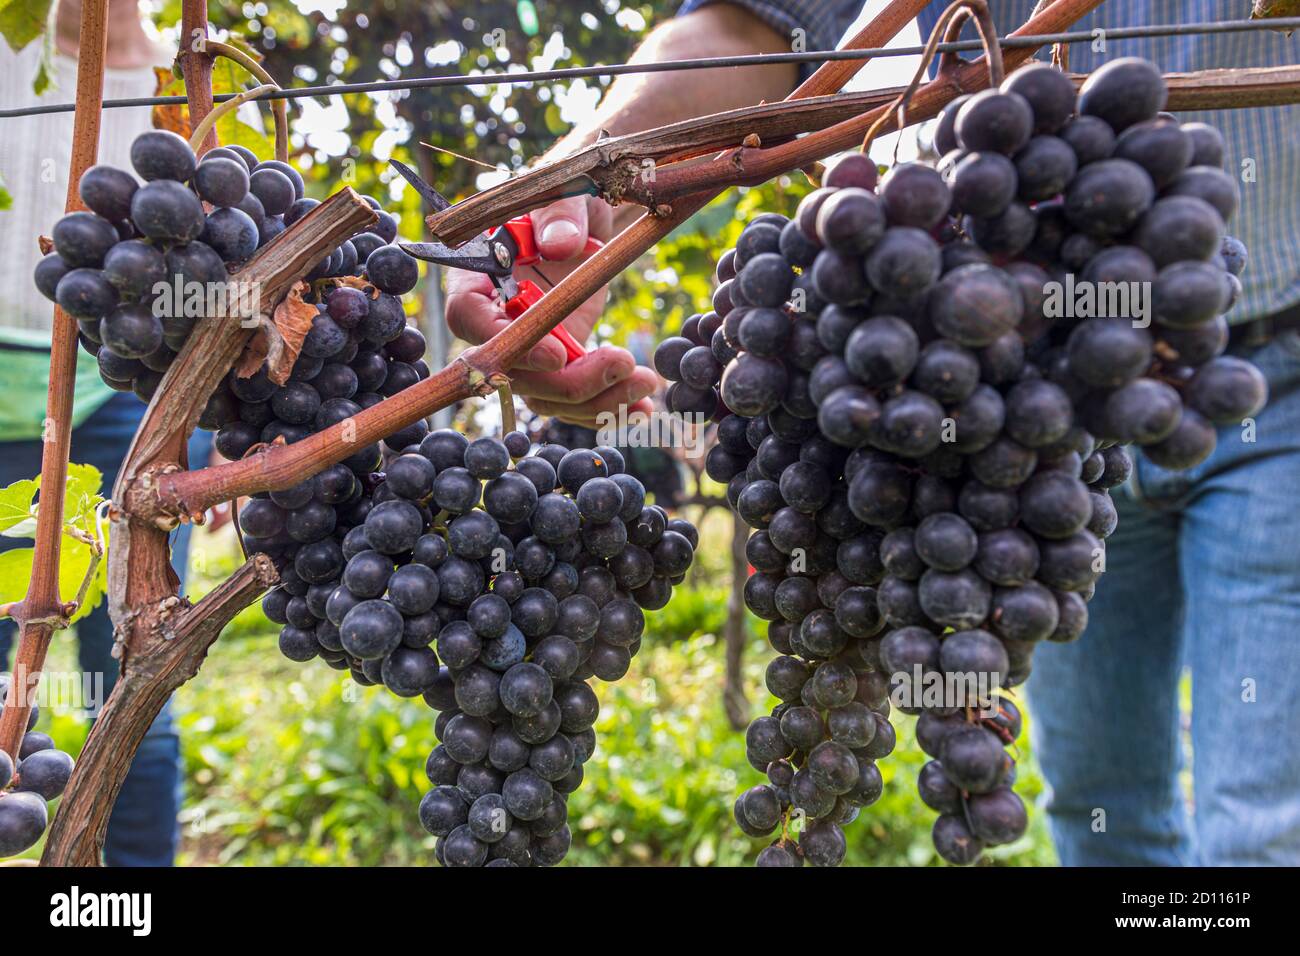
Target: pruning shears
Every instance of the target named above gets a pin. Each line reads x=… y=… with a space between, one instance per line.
x=495 y=254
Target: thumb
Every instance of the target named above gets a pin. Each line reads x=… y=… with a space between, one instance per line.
x=561 y=228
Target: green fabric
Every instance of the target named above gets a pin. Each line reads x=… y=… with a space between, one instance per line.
x=25 y=380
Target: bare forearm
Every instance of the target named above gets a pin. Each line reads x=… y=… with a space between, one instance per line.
x=608 y=378
x=644 y=101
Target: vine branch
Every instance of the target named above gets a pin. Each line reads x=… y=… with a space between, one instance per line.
x=162 y=639
x=607 y=166
x=196 y=67
x=41 y=611
x=279 y=108
x=229 y=106
x=175 y=652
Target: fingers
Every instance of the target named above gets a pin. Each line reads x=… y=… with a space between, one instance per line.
x=561 y=228
x=590 y=415
x=462 y=280
x=630 y=393
x=583 y=379
x=474 y=316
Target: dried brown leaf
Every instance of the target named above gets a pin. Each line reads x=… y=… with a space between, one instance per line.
x=1273 y=9
x=170 y=117
x=356 y=282
x=279 y=341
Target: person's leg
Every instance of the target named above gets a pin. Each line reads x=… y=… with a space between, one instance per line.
x=1240 y=561
x=1104 y=710
x=18 y=460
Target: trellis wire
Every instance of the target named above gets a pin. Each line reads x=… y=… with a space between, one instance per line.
x=704 y=63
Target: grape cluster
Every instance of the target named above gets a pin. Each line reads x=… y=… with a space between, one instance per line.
x=188 y=223
x=493 y=583
x=924 y=441
x=39 y=776
x=358 y=351
x=126 y=269
x=812 y=561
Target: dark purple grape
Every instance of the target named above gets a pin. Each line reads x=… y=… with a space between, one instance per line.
x=1123 y=92
x=162 y=154
x=915 y=195
x=1047 y=90
x=996 y=121
x=1107 y=198
x=221 y=181
x=850 y=221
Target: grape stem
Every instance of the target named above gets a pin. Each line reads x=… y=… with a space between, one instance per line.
x=229 y=106
x=279 y=108
x=1060 y=51
x=507 y=400
x=948 y=29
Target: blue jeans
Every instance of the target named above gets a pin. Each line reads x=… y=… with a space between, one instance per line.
x=142 y=830
x=1204 y=574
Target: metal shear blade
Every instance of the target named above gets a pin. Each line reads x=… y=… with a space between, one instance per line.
x=475 y=255
x=434 y=198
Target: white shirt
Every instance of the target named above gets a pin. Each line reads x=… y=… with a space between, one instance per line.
x=34 y=155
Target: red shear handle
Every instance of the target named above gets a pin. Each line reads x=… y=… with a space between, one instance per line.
x=521 y=231
x=529 y=295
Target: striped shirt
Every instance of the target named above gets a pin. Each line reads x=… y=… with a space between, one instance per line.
x=1263 y=144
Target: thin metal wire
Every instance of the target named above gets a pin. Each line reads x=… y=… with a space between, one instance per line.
x=704 y=63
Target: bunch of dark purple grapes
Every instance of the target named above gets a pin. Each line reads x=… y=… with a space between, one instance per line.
x=38 y=776
x=927 y=423
x=137 y=271
x=494 y=583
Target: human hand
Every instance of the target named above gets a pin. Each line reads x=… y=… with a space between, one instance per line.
x=604 y=379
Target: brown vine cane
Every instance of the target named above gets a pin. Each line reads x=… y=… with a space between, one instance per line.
x=42 y=611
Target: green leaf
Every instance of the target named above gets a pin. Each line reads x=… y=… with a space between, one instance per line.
x=16 y=506
x=74 y=561
x=81 y=495
x=15 y=573
x=44 y=79
x=22 y=21
x=6 y=200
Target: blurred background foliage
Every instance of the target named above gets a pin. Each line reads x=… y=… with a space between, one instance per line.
x=289 y=764
x=498 y=128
